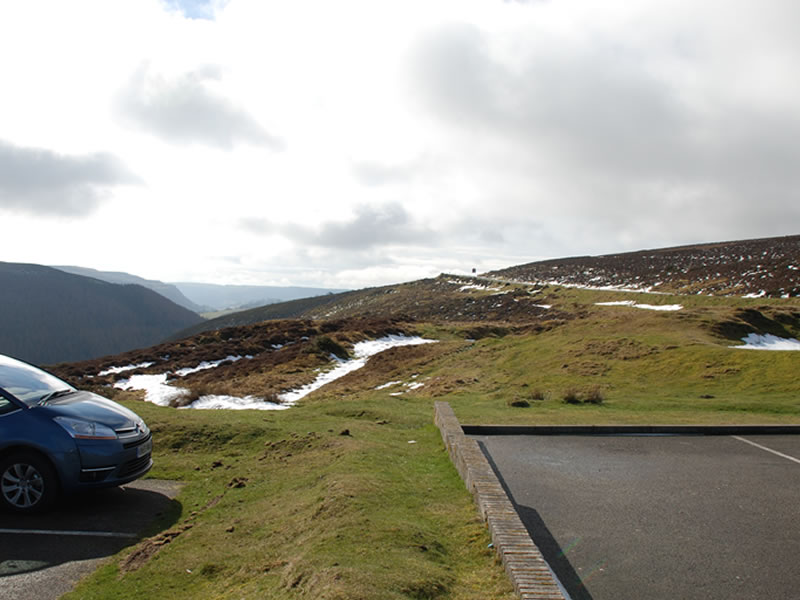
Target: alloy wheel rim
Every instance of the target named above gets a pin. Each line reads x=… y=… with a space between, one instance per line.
x=22 y=485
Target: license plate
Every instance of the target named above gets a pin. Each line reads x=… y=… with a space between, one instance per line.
x=145 y=448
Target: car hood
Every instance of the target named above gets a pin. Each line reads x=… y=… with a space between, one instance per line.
x=91 y=407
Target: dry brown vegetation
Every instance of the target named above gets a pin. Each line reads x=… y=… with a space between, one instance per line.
x=763 y=266
x=278 y=356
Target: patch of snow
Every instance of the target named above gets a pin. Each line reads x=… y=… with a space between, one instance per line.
x=616 y=303
x=155 y=387
x=667 y=307
x=217 y=402
x=362 y=352
x=388 y=385
x=111 y=370
x=475 y=286
x=546 y=306
x=598 y=288
x=755 y=341
x=760 y=294
x=206 y=365
x=159 y=392
x=412 y=385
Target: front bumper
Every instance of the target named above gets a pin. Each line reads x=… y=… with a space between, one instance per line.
x=107 y=463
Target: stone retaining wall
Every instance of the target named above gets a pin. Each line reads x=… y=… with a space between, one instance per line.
x=523 y=561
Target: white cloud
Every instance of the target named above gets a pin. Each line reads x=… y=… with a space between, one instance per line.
x=186 y=108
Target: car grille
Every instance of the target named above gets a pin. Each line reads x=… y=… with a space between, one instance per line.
x=137 y=442
x=134 y=466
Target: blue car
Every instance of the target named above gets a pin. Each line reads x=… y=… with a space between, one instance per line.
x=55 y=439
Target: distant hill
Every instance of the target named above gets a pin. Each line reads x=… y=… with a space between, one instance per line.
x=445 y=298
x=207 y=297
x=215 y=297
x=49 y=316
x=762 y=267
x=167 y=290
x=755 y=268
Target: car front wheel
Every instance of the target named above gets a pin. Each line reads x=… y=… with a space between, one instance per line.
x=27 y=482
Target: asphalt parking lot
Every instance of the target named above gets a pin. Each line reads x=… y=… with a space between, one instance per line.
x=43 y=556
x=659 y=517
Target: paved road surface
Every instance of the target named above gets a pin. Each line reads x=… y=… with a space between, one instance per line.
x=43 y=556
x=660 y=517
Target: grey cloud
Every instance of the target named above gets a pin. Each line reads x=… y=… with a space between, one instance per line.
x=377 y=174
x=456 y=77
x=333 y=259
x=258 y=226
x=597 y=107
x=612 y=140
x=370 y=227
x=374 y=173
x=42 y=182
x=185 y=110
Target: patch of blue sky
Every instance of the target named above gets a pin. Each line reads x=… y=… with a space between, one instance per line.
x=194 y=9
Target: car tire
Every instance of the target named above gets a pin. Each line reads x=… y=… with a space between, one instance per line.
x=28 y=483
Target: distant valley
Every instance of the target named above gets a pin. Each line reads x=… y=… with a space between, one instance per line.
x=63 y=314
x=49 y=316
x=216 y=297
x=207 y=297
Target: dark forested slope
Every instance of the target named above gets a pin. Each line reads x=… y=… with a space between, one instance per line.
x=168 y=290
x=49 y=316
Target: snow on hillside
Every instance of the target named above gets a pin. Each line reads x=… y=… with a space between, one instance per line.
x=631 y=303
x=751 y=268
x=159 y=391
x=755 y=341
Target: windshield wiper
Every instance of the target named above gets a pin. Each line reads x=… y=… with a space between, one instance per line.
x=50 y=396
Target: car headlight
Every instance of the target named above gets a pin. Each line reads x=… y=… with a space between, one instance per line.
x=86 y=430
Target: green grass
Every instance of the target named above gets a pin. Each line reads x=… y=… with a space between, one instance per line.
x=283 y=505
x=652 y=367
x=320 y=515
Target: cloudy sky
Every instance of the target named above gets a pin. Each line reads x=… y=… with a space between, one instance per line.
x=355 y=143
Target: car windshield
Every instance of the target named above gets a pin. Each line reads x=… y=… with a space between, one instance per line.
x=27 y=383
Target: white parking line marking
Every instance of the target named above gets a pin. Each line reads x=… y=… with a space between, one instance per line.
x=781 y=454
x=111 y=534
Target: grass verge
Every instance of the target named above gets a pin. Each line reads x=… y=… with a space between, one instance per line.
x=350 y=500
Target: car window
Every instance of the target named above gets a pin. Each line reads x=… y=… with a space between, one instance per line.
x=26 y=382
x=6 y=406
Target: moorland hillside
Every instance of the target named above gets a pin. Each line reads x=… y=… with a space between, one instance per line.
x=48 y=316
x=767 y=267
